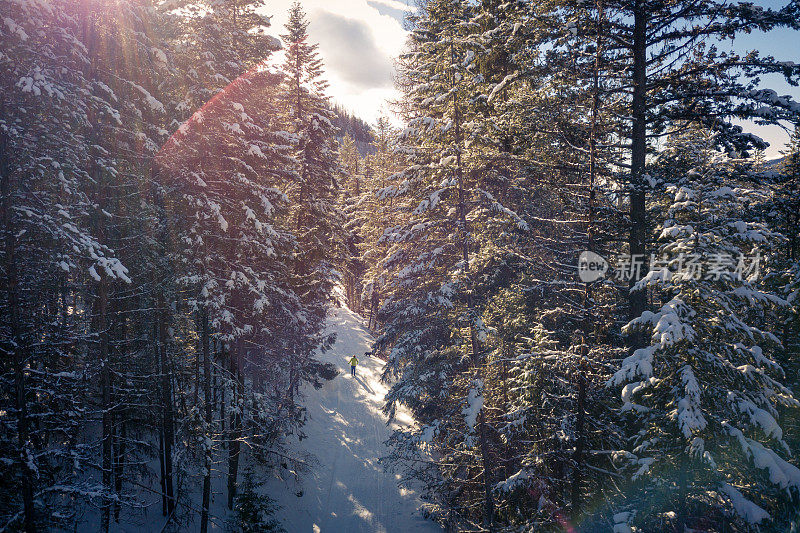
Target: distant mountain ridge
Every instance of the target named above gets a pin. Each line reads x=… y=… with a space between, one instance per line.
x=357 y=128
x=775 y=164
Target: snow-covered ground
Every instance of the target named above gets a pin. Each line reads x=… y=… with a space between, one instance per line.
x=348 y=491
x=345 y=489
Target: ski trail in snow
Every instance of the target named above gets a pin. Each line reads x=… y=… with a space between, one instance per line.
x=348 y=491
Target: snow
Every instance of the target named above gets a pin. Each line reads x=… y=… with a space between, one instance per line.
x=233 y=128
x=15 y=28
x=621 y=522
x=256 y=151
x=644 y=467
x=502 y=85
x=27 y=85
x=474 y=404
x=497 y=206
x=114 y=268
x=750 y=512
x=629 y=390
x=151 y=101
x=722 y=192
x=690 y=415
x=668 y=329
x=468 y=58
x=572 y=27
x=199 y=180
x=781 y=473
x=759 y=357
x=159 y=55
x=346 y=430
x=518 y=479
x=638 y=364
x=758 y=417
x=274 y=43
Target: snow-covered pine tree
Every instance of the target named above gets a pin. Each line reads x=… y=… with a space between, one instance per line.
x=241 y=128
x=221 y=173
x=552 y=343
x=663 y=65
x=548 y=160
x=215 y=42
x=51 y=254
x=350 y=158
x=786 y=209
x=253 y=510
x=648 y=80
x=317 y=220
x=443 y=264
x=705 y=393
x=369 y=215
x=125 y=127
x=787 y=196
x=219 y=45
x=352 y=182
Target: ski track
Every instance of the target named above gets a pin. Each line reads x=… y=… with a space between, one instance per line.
x=348 y=490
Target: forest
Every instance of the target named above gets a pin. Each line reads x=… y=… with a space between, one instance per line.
x=573 y=269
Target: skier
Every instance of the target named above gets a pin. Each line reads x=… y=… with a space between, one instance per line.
x=353 y=363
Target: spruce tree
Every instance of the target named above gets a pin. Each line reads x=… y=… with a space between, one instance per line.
x=371 y=212
x=706 y=392
x=661 y=66
x=441 y=259
x=317 y=221
x=253 y=510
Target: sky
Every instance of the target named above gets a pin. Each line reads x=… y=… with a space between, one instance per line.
x=359 y=40
x=783 y=45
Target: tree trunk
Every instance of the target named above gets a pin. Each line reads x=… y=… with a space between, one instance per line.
x=207 y=399
x=483 y=444
x=105 y=393
x=373 y=314
x=580 y=438
x=292 y=375
x=20 y=395
x=638 y=221
x=214 y=372
x=120 y=464
x=236 y=425
x=120 y=430
x=221 y=375
x=580 y=433
x=196 y=391
x=167 y=428
x=684 y=474
x=507 y=355
x=163 y=471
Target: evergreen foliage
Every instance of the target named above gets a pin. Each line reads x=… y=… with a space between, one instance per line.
x=177 y=213
x=253 y=510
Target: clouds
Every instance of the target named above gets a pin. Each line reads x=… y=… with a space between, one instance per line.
x=351 y=51
x=358 y=40
x=392 y=8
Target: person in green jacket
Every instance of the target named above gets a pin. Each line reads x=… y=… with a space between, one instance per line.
x=353 y=363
